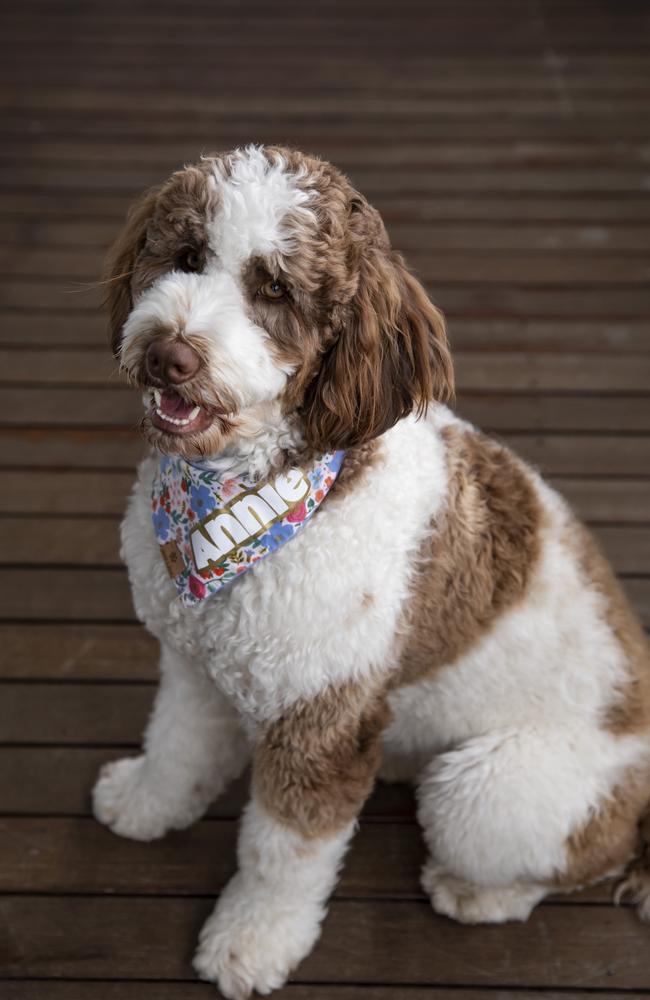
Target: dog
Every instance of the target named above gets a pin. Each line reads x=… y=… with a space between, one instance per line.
x=348 y=581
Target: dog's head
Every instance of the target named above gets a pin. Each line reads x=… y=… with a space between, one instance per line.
x=259 y=282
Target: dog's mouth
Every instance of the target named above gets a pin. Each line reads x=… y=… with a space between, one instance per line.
x=173 y=414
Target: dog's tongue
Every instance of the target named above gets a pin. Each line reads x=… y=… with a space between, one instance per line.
x=173 y=405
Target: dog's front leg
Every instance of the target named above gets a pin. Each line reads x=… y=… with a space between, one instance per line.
x=311 y=775
x=193 y=747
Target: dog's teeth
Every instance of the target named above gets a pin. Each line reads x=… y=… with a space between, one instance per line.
x=179 y=421
x=156 y=396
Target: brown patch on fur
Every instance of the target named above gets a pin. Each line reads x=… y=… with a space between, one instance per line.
x=610 y=838
x=630 y=710
x=366 y=343
x=357 y=463
x=163 y=226
x=317 y=764
x=620 y=829
x=388 y=356
x=120 y=263
x=479 y=556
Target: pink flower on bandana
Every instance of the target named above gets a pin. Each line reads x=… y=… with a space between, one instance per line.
x=228 y=487
x=298 y=514
x=198 y=589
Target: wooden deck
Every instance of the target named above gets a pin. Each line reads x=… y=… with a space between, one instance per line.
x=508 y=146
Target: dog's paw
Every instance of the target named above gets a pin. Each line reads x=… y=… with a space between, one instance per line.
x=252 y=942
x=123 y=801
x=472 y=904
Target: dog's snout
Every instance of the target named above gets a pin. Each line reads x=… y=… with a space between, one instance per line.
x=171 y=362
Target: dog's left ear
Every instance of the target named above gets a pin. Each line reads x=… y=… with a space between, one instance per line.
x=120 y=260
x=390 y=356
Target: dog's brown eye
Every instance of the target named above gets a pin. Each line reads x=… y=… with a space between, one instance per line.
x=273 y=290
x=189 y=260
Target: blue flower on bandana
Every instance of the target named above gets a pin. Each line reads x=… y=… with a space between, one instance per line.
x=276 y=535
x=316 y=478
x=161 y=524
x=202 y=500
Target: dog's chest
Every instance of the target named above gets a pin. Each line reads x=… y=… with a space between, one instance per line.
x=322 y=610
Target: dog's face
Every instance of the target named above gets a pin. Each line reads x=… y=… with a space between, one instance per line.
x=258 y=283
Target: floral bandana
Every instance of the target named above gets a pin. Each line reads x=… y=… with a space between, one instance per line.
x=211 y=530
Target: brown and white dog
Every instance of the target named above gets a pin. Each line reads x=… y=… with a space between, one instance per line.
x=443 y=618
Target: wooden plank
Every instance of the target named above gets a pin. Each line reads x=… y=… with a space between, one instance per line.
x=499 y=412
x=307 y=19
x=38 y=329
x=505 y=32
x=77 y=652
x=64 y=855
x=72 y=205
x=72 y=449
x=118 y=70
x=583 y=454
x=99 y=595
x=609 y=337
x=366 y=941
x=627 y=549
x=420 y=151
x=72 y=713
x=521 y=371
x=629 y=181
x=93 y=990
x=69 y=367
x=489 y=301
x=44 y=234
x=57 y=780
x=623 y=500
x=64 y=541
x=219 y=130
x=516 y=35
x=46 y=781
x=78 y=855
x=30 y=491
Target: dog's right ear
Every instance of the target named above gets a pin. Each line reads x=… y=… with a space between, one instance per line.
x=120 y=260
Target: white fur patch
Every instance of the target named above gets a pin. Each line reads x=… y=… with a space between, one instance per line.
x=268 y=917
x=184 y=767
x=253 y=202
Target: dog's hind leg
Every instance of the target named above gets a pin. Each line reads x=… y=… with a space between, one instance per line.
x=505 y=816
x=193 y=747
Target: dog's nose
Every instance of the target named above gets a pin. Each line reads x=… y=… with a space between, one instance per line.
x=171 y=361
